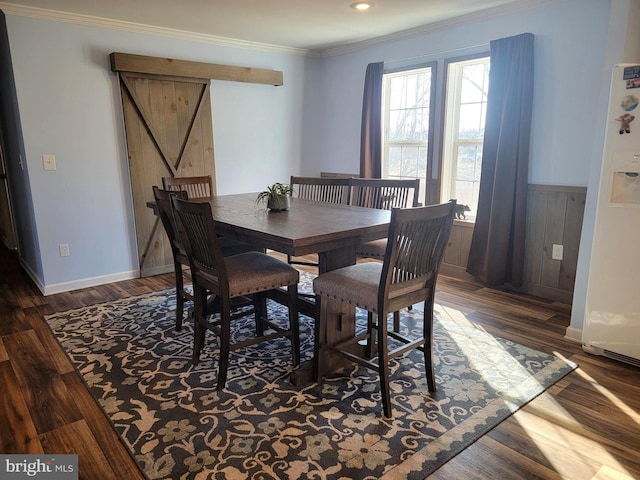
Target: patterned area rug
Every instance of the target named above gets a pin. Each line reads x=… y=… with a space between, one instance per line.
x=177 y=426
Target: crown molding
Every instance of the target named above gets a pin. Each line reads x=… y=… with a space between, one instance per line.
x=58 y=16
x=494 y=12
x=88 y=20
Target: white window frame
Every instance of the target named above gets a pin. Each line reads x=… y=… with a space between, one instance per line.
x=427 y=144
x=451 y=142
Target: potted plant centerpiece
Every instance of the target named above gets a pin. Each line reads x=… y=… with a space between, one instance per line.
x=277 y=197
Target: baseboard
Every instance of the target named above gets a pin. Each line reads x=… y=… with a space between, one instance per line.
x=34 y=278
x=88 y=282
x=455 y=271
x=76 y=284
x=547 y=293
x=150 y=272
x=573 y=334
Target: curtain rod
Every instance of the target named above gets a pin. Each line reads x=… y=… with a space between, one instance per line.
x=438 y=54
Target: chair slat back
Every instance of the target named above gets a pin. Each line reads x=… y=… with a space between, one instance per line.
x=196 y=187
x=418 y=238
x=384 y=193
x=322 y=189
x=197 y=231
x=165 y=212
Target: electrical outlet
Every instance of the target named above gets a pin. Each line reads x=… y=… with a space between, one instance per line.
x=49 y=162
x=557 y=252
x=64 y=250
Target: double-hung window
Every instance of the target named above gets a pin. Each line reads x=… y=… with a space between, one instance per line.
x=407 y=114
x=465 y=112
x=410 y=131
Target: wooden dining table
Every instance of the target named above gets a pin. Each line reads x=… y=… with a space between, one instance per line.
x=329 y=230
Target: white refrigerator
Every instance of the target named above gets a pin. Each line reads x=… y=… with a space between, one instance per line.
x=612 y=319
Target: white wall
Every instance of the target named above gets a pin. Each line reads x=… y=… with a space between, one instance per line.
x=69 y=102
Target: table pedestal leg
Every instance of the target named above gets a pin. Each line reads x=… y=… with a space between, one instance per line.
x=336 y=321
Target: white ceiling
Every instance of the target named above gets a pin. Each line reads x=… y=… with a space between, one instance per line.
x=305 y=24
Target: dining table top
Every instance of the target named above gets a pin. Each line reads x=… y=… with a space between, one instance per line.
x=306 y=227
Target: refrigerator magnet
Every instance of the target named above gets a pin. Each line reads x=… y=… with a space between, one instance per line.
x=631 y=75
x=625 y=123
x=629 y=103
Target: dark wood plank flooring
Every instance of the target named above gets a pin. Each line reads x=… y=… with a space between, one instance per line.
x=587 y=426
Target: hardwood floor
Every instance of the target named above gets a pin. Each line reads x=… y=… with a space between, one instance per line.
x=587 y=426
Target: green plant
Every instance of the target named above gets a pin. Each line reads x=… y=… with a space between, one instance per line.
x=273 y=191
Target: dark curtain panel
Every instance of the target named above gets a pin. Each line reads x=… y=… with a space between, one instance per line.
x=497 y=250
x=371 y=130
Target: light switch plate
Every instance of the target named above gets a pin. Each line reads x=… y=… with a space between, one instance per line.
x=49 y=162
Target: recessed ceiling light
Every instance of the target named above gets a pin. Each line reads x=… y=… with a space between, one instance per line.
x=361 y=6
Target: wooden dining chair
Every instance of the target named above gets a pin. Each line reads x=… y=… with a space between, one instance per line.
x=322 y=189
x=382 y=193
x=196 y=187
x=319 y=189
x=178 y=251
x=416 y=243
x=228 y=278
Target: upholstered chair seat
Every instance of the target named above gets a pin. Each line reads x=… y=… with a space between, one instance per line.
x=356 y=286
x=254 y=272
x=373 y=249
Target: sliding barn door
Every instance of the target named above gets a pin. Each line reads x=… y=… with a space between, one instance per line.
x=169 y=134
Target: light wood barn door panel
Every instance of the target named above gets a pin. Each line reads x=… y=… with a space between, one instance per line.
x=169 y=133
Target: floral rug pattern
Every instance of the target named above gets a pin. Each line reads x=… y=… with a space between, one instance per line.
x=178 y=426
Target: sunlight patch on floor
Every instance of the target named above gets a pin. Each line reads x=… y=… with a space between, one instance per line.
x=623 y=407
x=555 y=432
x=490 y=358
x=558 y=436
x=608 y=473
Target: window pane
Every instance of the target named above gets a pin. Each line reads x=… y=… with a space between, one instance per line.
x=466 y=163
x=465 y=194
x=471 y=121
x=410 y=162
x=409 y=91
x=395 y=124
x=409 y=124
x=422 y=163
x=473 y=84
x=396 y=92
x=478 y=164
x=394 y=161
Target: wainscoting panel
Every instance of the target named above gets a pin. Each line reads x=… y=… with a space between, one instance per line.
x=554 y=217
x=457 y=252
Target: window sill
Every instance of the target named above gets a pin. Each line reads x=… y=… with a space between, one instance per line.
x=468 y=223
